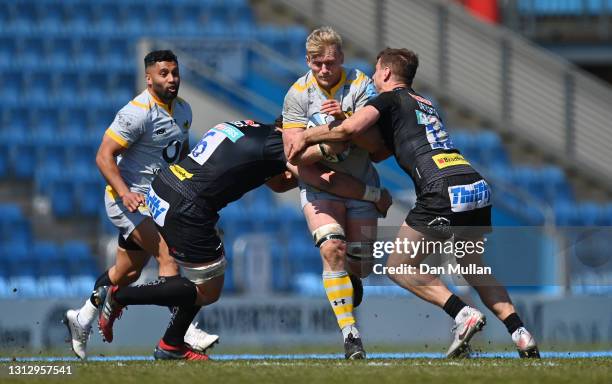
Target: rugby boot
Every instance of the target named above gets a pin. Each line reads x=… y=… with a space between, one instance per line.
x=109 y=312
x=525 y=344
x=164 y=351
x=467 y=323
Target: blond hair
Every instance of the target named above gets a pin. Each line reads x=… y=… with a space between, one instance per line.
x=322 y=38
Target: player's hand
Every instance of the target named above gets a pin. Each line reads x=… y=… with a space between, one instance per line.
x=133 y=200
x=335 y=147
x=385 y=202
x=296 y=144
x=333 y=108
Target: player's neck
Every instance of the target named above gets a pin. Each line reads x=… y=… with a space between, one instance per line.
x=395 y=85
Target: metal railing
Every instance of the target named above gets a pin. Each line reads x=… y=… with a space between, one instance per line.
x=515 y=85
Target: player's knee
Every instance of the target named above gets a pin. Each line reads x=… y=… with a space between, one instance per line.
x=331 y=240
x=359 y=257
x=207 y=296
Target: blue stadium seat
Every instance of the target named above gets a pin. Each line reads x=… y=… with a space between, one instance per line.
x=55 y=286
x=19 y=260
x=23 y=163
x=81 y=285
x=8 y=50
x=90 y=192
x=14 y=227
x=53 y=19
x=62 y=196
x=4 y=156
x=48 y=259
x=12 y=85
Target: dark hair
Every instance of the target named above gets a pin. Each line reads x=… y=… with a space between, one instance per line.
x=402 y=62
x=156 y=56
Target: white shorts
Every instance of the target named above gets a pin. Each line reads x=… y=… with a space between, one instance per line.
x=121 y=217
x=355 y=209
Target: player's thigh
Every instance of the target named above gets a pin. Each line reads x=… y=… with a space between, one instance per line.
x=322 y=212
x=148 y=238
x=409 y=251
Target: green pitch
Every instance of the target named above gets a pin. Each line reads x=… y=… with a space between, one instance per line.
x=583 y=371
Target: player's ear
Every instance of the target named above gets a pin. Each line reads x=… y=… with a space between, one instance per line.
x=307 y=60
x=341 y=57
x=148 y=78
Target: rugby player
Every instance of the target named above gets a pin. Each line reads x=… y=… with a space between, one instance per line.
x=231 y=159
x=452 y=198
x=342 y=228
x=148 y=133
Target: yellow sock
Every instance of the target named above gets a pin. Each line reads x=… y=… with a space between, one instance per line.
x=339 y=292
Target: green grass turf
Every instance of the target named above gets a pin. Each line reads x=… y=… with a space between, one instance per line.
x=472 y=371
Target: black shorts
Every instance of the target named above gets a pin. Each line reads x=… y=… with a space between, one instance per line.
x=455 y=205
x=189 y=229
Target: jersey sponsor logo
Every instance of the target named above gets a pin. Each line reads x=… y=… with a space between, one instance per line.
x=157 y=206
x=232 y=133
x=444 y=160
x=207 y=145
x=420 y=99
x=469 y=196
x=186 y=124
x=180 y=172
x=435 y=131
x=172 y=151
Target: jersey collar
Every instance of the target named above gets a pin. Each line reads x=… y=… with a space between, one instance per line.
x=167 y=107
x=330 y=95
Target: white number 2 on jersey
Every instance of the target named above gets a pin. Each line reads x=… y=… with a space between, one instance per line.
x=207 y=145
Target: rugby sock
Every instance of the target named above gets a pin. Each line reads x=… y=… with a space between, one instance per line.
x=350 y=329
x=103 y=280
x=513 y=322
x=179 y=323
x=87 y=314
x=166 y=291
x=453 y=306
x=339 y=292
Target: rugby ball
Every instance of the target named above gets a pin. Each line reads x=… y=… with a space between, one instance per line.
x=319 y=118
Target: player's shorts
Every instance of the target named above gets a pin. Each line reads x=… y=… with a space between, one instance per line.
x=355 y=209
x=188 y=228
x=457 y=205
x=121 y=217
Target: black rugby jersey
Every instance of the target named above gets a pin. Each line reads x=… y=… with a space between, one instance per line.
x=231 y=159
x=412 y=128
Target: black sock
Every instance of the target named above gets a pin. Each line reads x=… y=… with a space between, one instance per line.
x=179 y=323
x=453 y=305
x=103 y=280
x=513 y=322
x=166 y=291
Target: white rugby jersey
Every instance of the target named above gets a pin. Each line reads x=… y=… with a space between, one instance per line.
x=305 y=98
x=153 y=133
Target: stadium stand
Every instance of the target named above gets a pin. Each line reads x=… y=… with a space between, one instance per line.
x=64 y=73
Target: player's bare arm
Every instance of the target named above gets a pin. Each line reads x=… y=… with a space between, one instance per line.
x=342 y=184
x=335 y=131
x=106 y=161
